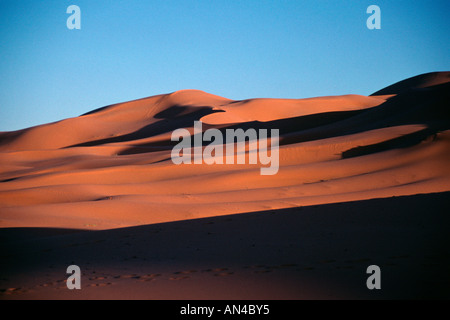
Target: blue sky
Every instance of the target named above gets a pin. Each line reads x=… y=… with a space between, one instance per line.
x=242 y=49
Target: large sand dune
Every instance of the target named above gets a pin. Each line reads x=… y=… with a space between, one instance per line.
x=111 y=169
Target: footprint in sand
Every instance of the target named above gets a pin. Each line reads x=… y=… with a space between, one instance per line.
x=10 y=291
x=100 y=284
x=181 y=275
x=185 y=272
x=145 y=277
x=179 y=278
x=149 y=277
x=223 y=274
x=127 y=276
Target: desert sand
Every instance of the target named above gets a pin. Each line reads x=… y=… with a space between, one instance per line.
x=363 y=180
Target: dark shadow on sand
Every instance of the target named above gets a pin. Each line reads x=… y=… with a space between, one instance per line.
x=406 y=236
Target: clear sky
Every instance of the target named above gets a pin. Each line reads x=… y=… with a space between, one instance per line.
x=130 y=49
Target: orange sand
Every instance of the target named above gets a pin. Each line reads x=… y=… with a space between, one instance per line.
x=111 y=169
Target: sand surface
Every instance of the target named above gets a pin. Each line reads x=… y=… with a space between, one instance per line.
x=362 y=180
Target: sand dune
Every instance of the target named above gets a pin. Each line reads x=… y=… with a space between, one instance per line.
x=111 y=168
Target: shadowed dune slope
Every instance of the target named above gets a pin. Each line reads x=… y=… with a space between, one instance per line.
x=420 y=81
